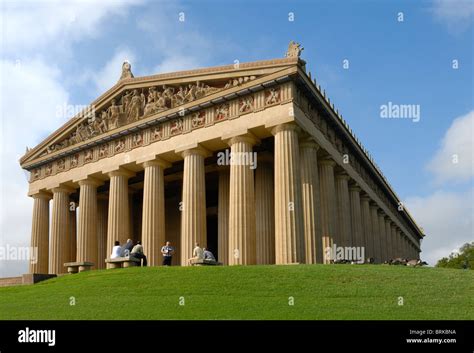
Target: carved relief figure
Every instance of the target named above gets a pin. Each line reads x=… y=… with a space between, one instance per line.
x=113 y=114
x=222 y=112
x=88 y=156
x=61 y=164
x=245 y=104
x=176 y=126
x=103 y=150
x=272 y=96
x=198 y=119
x=119 y=145
x=137 y=140
x=74 y=160
x=156 y=133
x=134 y=107
x=49 y=169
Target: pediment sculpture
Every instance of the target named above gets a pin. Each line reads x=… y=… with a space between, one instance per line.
x=134 y=105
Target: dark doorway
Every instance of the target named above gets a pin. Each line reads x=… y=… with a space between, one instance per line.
x=212 y=234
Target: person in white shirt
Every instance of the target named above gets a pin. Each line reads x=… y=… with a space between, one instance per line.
x=167 y=251
x=116 y=251
x=198 y=254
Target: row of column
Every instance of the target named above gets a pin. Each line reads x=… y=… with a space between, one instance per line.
x=290 y=211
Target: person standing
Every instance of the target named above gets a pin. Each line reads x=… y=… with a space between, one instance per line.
x=167 y=250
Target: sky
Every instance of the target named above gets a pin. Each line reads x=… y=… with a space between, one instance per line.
x=365 y=54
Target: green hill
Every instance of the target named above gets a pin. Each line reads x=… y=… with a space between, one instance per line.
x=248 y=292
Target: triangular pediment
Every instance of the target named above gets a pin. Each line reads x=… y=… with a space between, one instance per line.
x=136 y=99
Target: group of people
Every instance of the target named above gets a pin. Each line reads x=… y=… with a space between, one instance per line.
x=201 y=254
x=136 y=250
x=129 y=249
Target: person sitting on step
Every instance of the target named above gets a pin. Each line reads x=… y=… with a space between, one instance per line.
x=209 y=256
x=198 y=255
x=137 y=252
x=116 y=250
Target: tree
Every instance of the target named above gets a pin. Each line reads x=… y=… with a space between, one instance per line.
x=463 y=259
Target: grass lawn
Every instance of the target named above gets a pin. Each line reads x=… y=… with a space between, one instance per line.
x=324 y=292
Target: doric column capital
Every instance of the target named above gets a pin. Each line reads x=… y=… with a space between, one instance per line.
x=42 y=195
x=63 y=188
x=246 y=137
x=354 y=188
x=342 y=176
x=382 y=213
x=373 y=205
x=250 y=139
x=194 y=149
x=365 y=197
x=327 y=161
x=285 y=127
x=90 y=181
x=157 y=162
x=308 y=142
x=121 y=172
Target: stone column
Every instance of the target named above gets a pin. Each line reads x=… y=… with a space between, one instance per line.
x=311 y=204
x=59 y=230
x=223 y=216
x=102 y=213
x=356 y=216
x=40 y=233
x=403 y=244
x=153 y=217
x=87 y=243
x=343 y=220
x=399 y=242
x=327 y=191
x=131 y=221
x=375 y=232
x=242 y=223
x=367 y=226
x=393 y=228
x=382 y=242
x=72 y=237
x=264 y=211
x=388 y=238
x=193 y=216
x=289 y=231
x=118 y=224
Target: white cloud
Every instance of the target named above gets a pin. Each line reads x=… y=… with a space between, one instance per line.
x=448 y=221
x=110 y=73
x=29 y=25
x=457 y=15
x=30 y=95
x=453 y=161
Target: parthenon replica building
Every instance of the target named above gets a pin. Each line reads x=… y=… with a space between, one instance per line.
x=149 y=162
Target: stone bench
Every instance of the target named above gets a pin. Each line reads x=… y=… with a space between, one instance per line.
x=123 y=262
x=75 y=267
x=206 y=263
